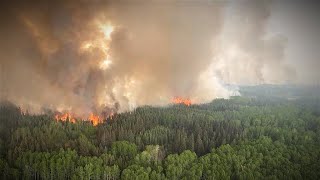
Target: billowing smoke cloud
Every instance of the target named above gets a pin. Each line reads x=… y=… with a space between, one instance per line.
x=248 y=54
x=84 y=57
x=97 y=56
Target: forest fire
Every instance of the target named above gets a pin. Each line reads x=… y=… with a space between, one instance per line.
x=180 y=100
x=65 y=117
x=94 y=119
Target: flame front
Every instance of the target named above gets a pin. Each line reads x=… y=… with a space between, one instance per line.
x=65 y=117
x=180 y=100
x=94 y=119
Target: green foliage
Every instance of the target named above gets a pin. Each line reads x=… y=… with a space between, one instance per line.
x=240 y=138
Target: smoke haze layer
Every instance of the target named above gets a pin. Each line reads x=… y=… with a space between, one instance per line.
x=98 y=56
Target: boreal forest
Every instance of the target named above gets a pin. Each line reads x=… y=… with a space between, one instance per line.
x=270 y=132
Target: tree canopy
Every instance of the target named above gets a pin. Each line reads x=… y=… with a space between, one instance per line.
x=239 y=138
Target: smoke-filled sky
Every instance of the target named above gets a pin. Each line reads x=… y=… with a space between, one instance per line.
x=98 y=56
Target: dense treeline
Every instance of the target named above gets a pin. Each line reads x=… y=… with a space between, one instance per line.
x=239 y=138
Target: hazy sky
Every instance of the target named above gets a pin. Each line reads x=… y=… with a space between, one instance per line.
x=299 y=21
x=282 y=34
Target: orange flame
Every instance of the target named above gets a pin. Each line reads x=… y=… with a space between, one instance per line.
x=94 y=119
x=65 y=117
x=180 y=100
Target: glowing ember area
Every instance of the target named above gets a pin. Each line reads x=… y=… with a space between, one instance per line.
x=180 y=100
x=94 y=119
x=65 y=117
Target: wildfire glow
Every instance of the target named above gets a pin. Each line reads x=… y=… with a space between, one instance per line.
x=94 y=119
x=180 y=100
x=65 y=117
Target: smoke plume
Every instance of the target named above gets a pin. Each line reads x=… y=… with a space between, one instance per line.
x=98 y=56
x=248 y=55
